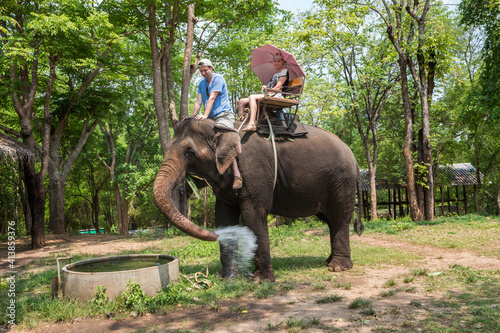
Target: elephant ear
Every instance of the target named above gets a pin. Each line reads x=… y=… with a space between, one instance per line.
x=227 y=146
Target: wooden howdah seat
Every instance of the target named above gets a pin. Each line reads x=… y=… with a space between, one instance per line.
x=274 y=106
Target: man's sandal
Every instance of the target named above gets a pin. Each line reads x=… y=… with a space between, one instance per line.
x=237 y=182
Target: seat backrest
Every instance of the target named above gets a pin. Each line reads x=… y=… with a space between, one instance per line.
x=296 y=85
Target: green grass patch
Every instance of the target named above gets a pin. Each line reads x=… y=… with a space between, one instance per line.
x=475 y=309
x=297 y=257
x=388 y=293
x=329 y=299
x=360 y=303
x=378 y=256
x=364 y=305
x=389 y=283
x=467 y=232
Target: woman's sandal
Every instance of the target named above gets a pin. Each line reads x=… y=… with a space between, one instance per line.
x=250 y=128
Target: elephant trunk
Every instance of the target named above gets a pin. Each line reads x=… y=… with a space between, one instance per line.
x=169 y=175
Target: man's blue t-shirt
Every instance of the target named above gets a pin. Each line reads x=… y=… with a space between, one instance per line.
x=221 y=103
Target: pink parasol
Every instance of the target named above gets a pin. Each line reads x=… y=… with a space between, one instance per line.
x=262 y=63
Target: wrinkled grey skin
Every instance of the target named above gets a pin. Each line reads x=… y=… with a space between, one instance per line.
x=317 y=175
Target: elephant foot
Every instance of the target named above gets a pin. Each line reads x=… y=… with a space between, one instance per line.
x=228 y=276
x=259 y=276
x=339 y=266
x=337 y=269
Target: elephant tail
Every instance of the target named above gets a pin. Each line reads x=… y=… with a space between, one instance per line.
x=358 y=225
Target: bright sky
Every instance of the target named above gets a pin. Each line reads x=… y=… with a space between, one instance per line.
x=303 y=5
x=296 y=5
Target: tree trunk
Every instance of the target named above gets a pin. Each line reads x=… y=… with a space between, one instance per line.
x=186 y=66
x=56 y=219
x=415 y=211
x=3 y=227
x=161 y=114
x=277 y=222
x=95 y=211
x=168 y=77
x=498 y=201
x=427 y=150
x=373 y=192
x=24 y=201
x=125 y=217
x=36 y=200
x=119 y=209
x=425 y=85
x=205 y=208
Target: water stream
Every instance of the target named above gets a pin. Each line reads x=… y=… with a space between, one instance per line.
x=247 y=245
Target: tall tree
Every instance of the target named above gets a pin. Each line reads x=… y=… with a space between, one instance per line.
x=416 y=33
x=482 y=108
x=131 y=150
x=79 y=40
x=22 y=47
x=363 y=65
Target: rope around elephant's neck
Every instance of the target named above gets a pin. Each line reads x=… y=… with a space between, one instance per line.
x=243 y=122
x=271 y=135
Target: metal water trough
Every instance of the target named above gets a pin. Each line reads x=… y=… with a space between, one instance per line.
x=82 y=285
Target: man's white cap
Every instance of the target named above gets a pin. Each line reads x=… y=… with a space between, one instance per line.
x=205 y=62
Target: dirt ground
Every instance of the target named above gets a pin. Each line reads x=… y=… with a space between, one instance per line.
x=260 y=315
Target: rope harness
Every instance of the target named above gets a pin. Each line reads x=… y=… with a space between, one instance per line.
x=272 y=137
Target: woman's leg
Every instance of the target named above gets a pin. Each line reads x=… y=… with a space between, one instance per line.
x=241 y=106
x=253 y=111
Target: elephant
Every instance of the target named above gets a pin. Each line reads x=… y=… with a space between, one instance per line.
x=317 y=175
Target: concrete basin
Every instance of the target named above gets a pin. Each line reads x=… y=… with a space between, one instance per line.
x=82 y=285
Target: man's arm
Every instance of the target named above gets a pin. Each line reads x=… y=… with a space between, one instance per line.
x=208 y=107
x=210 y=102
x=197 y=105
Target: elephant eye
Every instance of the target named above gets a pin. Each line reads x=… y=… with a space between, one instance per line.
x=190 y=154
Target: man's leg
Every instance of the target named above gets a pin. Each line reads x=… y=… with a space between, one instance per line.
x=238 y=181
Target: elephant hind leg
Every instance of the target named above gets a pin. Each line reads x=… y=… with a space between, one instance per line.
x=340 y=256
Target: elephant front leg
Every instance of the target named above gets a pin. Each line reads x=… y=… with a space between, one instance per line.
x=340 y=258
x=256 y=220
x=226 y=216
x=263 y=271
x=229 y=258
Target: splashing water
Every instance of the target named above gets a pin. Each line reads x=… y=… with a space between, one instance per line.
x=247 y=244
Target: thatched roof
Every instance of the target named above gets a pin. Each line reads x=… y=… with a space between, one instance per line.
x=447 y=175
x=14 y=149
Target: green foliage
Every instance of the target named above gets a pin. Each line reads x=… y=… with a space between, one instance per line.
x=198 y=209
x=100 y=297
x=390 y=227
x=484 y=14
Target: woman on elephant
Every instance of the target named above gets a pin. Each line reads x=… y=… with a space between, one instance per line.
x=277 y=82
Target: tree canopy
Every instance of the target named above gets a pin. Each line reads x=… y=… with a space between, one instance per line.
x=93 y=89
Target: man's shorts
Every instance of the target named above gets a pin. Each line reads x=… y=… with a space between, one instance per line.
x=225 y=119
